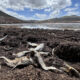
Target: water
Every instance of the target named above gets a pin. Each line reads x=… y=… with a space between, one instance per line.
x=59 y=26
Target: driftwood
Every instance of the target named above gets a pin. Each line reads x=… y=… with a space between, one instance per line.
x=32 y=44
x=70 y=70
x=42 y=64
x=67 y=68
x=3 y=38
x=38 y=48
x=21 y=54
x=22 y=59
x=17 y=61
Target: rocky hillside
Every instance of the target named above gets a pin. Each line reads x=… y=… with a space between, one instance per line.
x=5 y=19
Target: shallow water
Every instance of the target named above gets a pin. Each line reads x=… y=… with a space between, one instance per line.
x=60 y=26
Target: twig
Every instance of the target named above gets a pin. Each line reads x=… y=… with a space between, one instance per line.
x=3 y=38
x=69 y=69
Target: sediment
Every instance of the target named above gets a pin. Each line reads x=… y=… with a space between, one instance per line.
x=66 y=44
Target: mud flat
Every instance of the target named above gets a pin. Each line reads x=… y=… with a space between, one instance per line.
x=66 y=44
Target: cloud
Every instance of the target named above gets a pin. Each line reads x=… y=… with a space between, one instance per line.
x=73 y=13
x=54 y=14
x=48 y=10
x=76 y=5
x=51 y=6
x=72 y=10
x=34 y=4
x=59 y=4
x=40 y=16
x=14 y=14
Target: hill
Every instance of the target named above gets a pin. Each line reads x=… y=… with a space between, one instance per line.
x=64 y=19
x=7 y=19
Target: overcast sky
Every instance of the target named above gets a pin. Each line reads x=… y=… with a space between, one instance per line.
x=40 y=9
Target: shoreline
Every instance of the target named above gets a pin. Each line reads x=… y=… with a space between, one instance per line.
x=52 y=26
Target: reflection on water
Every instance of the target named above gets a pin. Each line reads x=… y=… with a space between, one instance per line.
x=61 y=26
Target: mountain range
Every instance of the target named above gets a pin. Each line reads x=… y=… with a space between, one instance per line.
x=7 y=19
x=64 y=19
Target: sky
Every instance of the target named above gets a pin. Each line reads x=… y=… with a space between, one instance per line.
x=40 y=9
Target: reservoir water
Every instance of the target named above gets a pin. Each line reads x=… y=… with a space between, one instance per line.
x=59 y=26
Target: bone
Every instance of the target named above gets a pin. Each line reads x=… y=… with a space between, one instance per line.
x=3 y=38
